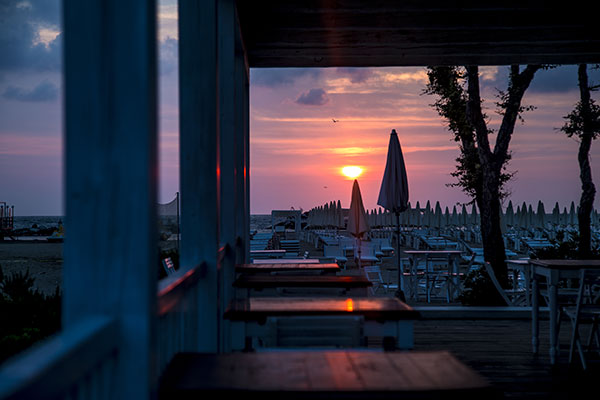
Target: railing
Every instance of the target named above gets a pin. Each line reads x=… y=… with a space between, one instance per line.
x=78 y=363
x=177 y=328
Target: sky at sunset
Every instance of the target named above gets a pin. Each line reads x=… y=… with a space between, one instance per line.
x=297 y=150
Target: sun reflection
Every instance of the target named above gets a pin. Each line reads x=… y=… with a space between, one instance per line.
x=349 y=305
x=352 y=171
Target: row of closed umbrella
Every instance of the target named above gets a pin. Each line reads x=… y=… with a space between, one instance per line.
x=332 y=215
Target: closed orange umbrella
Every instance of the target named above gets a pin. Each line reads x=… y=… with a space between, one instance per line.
x=357 y=218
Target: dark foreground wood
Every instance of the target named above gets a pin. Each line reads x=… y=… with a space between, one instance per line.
x=322 y=375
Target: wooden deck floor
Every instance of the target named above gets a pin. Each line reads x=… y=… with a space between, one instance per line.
x=500 y=350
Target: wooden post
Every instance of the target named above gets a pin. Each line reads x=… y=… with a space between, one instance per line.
x=246 y=110
x=226 y=154
x=241 y=93
x=110 y=252
x=198 y=157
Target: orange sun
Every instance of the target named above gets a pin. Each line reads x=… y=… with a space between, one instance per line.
x=352 y=171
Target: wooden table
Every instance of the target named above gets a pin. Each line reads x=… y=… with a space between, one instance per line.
x=287 y=261
x=268 y=253
x=553 y=271
x=386 y=317
x=322 y=375
x=416 y=255
x=269 y=284
x=280 y=267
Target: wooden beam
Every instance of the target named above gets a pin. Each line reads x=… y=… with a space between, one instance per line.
x=387 y=33
x=111 y=179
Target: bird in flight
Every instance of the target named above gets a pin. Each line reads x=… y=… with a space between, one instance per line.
x=334 y=120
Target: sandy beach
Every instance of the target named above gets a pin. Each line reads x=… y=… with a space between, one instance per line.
x=43 y=260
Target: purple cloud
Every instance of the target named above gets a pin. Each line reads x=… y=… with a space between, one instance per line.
x=313 y=97
x=356 y=75
x=277 y=77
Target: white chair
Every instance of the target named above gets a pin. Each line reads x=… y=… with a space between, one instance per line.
x=168 y=266
x=586 y=309
x=367 y=254
x=337 y=253
x=373 y=274
x=511 y=297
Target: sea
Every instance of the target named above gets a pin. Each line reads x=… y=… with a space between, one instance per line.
x=258 y=222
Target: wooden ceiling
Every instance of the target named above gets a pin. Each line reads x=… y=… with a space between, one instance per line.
x=335 y=33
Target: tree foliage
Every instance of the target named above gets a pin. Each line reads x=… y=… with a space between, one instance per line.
x=448 y=84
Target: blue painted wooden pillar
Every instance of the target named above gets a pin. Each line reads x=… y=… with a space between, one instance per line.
x=242 y=227
x=226 y=155
x=198 y=125
x=110 y=252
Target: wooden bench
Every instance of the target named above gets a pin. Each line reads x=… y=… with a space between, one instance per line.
x=269 y=285
x=323 y=375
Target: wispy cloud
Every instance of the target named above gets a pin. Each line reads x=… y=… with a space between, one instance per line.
x=20 y=145
x=45 y=91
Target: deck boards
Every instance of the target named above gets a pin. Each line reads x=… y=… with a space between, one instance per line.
x=500 y=350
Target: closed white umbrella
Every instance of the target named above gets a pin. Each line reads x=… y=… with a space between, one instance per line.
x=357 y=218
x=510 y=214
x=556 y=215
x=454 y=218
x=393 y=195
x=541 y=215
x=572 y=215
x=474 y=215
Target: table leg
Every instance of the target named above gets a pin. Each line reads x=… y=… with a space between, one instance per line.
x=552 y=293
x=527 y=287
x=535 y=323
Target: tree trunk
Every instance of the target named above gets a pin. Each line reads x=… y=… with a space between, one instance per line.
x=491 y=232
x=588 y=190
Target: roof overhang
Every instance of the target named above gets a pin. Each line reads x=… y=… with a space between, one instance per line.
x=354 y=33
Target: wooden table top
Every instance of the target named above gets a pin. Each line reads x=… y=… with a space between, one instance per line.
x=324 y=281
x=374 y=308
x=566 y=264
x=287 y=261
x=323 y=375
x=271 y=267
x=441 y=252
